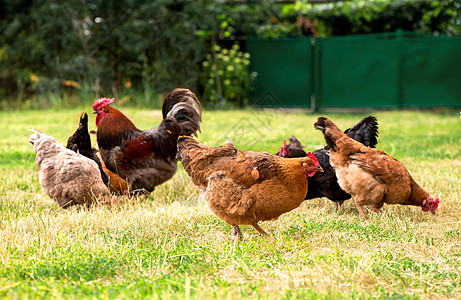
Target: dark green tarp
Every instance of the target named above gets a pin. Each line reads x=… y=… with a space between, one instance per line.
x=431 y=74
x=357 y=73
x=390 y=70
x=284 y=71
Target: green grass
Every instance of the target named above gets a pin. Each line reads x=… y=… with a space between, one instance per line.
x=171 y=246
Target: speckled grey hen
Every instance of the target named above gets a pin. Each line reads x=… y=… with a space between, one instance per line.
x=67 y=177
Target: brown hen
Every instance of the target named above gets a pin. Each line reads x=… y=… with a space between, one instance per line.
x=371 y=176
x=243 y=188
x=326 y=184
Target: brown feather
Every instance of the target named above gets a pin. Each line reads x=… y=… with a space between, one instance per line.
x=116 y=183
x=370 y=175
x=245 y=187
x=146 y=158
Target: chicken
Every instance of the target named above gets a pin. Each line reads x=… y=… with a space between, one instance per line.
x=292 y=150
x=146 y=158
x=370 y=175
x=326 y=184
x=116 y=183
x=80 y=142
x=66 y=176
x=243 y=188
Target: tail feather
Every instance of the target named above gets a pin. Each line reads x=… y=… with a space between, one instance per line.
x=295 y=142
x=80 y=141
x=330 y=131
x=84 y=120
x=37 y=134
x=365 y=131
x=184 y=106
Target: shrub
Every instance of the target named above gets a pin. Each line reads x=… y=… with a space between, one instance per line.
x=226 y=75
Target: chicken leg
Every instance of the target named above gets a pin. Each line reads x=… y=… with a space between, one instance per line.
x=359 y=208
x=338 y=205
x=259 y=229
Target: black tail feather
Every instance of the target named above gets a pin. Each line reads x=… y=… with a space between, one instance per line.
x=365 y=131
x=184 y=106
x=293 y=149
x=80 y=142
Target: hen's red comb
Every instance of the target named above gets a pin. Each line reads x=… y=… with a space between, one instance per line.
x=284 y=151
x=102 y=102
x=313 y=157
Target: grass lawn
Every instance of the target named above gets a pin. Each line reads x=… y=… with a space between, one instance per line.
x=171 y=246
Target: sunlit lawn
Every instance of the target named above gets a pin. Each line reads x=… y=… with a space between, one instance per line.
x=170 y=245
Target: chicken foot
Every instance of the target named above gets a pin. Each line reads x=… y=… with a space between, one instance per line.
x=376 y=210
x=377 y=207
x=236 y=232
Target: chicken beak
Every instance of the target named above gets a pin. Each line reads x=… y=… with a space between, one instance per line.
x=319 y=169
x=95 y=112
x=433 y=212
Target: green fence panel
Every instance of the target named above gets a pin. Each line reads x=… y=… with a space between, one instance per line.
x=284 y=68
x=432 y=72
x=357 y=72
x=389 y=70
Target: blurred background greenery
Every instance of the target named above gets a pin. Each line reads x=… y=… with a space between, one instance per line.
x=66 y=53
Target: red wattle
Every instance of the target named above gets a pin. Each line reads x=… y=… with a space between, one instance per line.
x=310 y=174
x=99 y=117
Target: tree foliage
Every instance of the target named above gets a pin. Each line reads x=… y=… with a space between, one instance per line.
x=104 y=46
x=101 y=45
x=376 y=16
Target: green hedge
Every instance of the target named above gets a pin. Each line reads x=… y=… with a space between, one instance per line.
x=104 y=47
